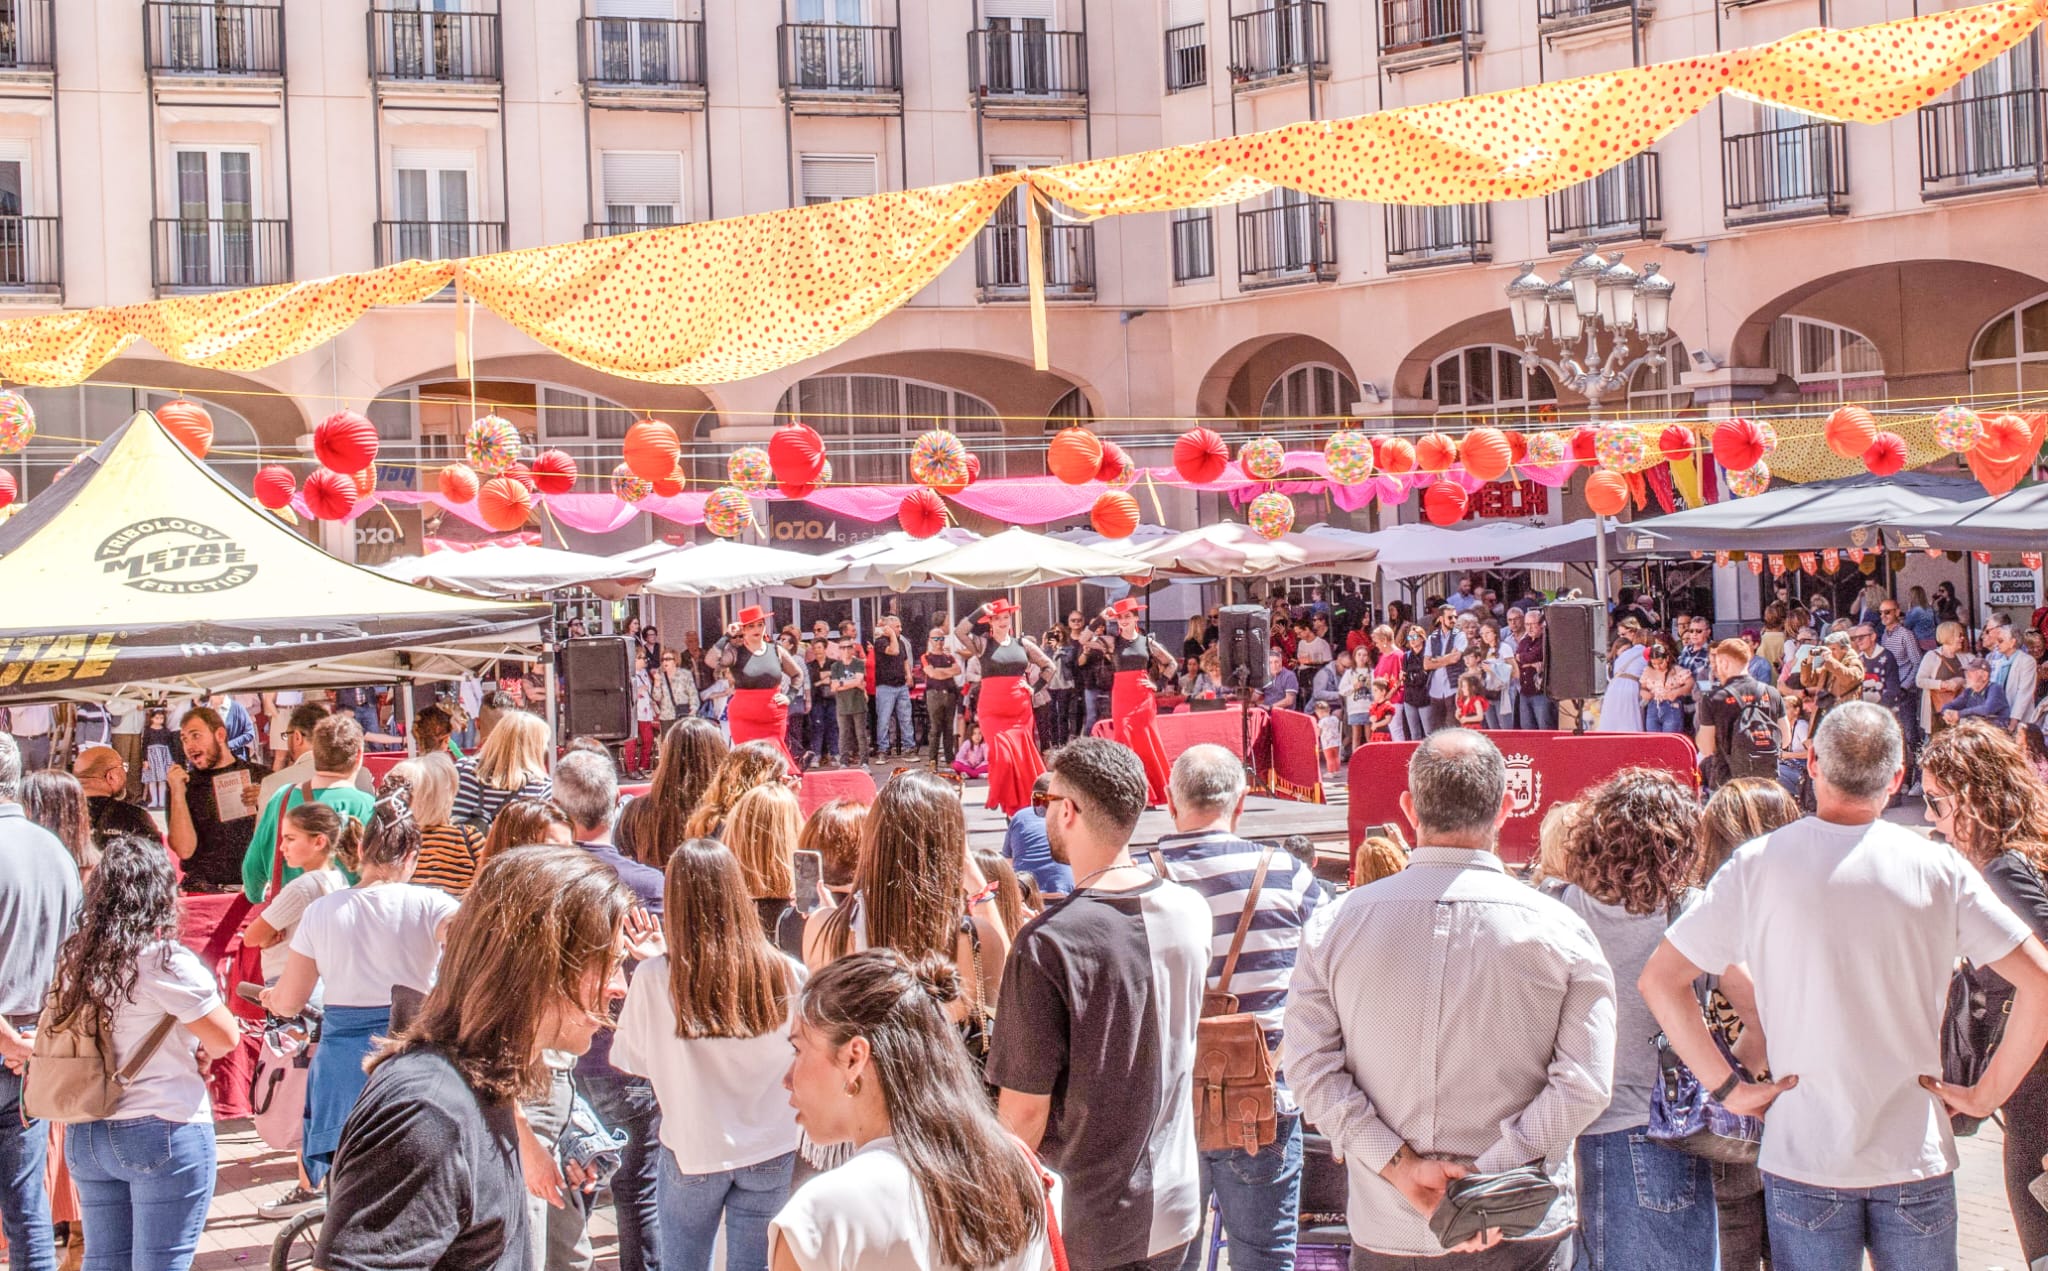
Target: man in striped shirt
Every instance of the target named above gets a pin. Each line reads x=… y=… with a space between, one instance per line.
x=1257 y=1198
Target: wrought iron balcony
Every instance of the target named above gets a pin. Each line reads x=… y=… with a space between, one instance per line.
x=197 y=254
x=1621 y=204
x=1194 y=246
x=608 y=229
x=1420 y=237
x=425 y=47
x=31 y=255
x=437 y=240
x=1782 y=173
x=1986 y=142
x=28 y=41
x=822 y=60
x=1555 y=16
x=1187 y=57
x=641 y=55
x=1407 y=26
x=1017 y=70
x=1285 y=39
x=188 y=39
x=1295 y=242
x=1002 y=262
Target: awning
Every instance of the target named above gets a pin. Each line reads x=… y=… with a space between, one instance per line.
x=1411 y=551
x=1016 y=558
x=1230 y=549
x=866 y=565
x=718 y=568
x=1820 y=514
x=520 y=571
x=2011 y=522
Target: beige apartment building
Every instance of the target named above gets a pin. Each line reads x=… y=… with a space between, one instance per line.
x=159 y=147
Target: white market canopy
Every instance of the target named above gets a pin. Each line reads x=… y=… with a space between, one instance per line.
x=1411 y=551
x=866 y=565
x=1230 y=549
x=721 y=567
x=1015 y=558
x=522 y=570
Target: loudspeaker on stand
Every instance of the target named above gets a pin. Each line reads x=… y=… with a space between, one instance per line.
x=1575 y=649
x=1244 y=638
x=597 y=687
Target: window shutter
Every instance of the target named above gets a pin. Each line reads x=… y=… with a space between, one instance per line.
x=636 y=8
x=1021 y=10
x=828 y=177
x=642 y=178
x=1185 y=12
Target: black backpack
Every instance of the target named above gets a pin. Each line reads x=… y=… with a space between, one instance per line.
x=1749 y=742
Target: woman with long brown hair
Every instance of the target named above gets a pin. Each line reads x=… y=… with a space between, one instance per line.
x=936 y=1181
x=762 y=832
x=527 y=823
x=56 y=801
x=754 y=763
x=707 y=1023
x=1984 y=797
x=651 y=824
x=834 y=833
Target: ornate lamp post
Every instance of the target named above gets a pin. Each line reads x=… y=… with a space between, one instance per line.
x=1623 y=318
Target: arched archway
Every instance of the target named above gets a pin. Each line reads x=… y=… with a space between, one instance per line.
x=2009 y=356
x=1238 y=383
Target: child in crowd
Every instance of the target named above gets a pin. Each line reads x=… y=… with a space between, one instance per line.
x=971 y=760
x=1330 y=737
x=158 y=745
x=1384 y=704
x=1471 y=701
x=850 y=701
x=312 y=837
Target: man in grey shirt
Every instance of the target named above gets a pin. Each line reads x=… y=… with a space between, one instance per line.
x=39 y=896
x=1447 y=1021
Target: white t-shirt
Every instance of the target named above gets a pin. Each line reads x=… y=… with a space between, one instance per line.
x=286 y=909
x=170 y=980
x=868 y=1215
x=722 y=1102
x=1851 y=933
x=1329 y=731
x=369 y=940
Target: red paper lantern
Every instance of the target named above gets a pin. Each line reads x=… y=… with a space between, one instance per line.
x=365 y=483
x=1675 y=443
x=1444 y=503
x=1850 y=431
x=1074 y=456
x=1586 y=444
x=274 y=487
x=1738 y=444
x=554 y=472
x=504 y=503
x=1886 y=455
x=651 y=449
x=796 y=455
x=1397 y=456
x=2006 y=438
x=330 y=495
x=1606 y=493
x=189 y=423
x=1435 y=453
x=1200 y=456
x=922 y=513
x=669 y=486
x=1486 y=453
x=345 y=442
x=458 y=483
x=1115 y=466
x=1518 y=446
x=973 y=467
x=7 y=488
x=1114 y=515
x=951 y=488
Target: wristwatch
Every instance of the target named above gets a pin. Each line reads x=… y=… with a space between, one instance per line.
x=1721 y=1092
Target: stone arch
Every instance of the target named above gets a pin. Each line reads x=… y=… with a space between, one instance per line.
x=1237 y=382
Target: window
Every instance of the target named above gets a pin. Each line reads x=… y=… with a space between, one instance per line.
x=642 y=189
x=1316 y=392
x=1069 y=411
x=1487 y=380
x=435 y=39
x=435 y=200
x=869 y=421
x=1830 y=364
x=2010 y=357
x=637 y=45
x=1194 y=244
x=1655 y=390
x=829 y=178
x=216 y=192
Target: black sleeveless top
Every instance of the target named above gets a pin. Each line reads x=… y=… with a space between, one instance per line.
x=757 y=670
x=1008 y=658
x=1133 y=655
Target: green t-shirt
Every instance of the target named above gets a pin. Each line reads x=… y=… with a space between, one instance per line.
x=346 y=799
x=855 y=695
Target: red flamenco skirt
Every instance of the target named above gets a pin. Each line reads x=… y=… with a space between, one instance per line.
x=1011 y=731
x=1134 y=715
x=752 y=714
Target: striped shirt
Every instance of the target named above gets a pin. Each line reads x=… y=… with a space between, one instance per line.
x=1218 y=866
x=448 y=858
x=474 y=800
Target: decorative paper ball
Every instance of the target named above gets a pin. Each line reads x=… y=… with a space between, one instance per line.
x=1850 y=430
x=1606 y=493
x=1623 y=448
x=7 y=488
x=1738 y=444
x=523 y=475
x=1271 y=514
x=492 y=444
x=1262 y=457
x=727 y=512
x=345 y=442
x=749 y=469
x=922 y=513
x=1518 y=446
x=554 y=472
x=1116 y=467
x=1200 y=456
x=1675 y=443
x=651 y=449
x=1114 y=515
x=1769 y=432
x=796 y=454
x=1350 y=456
x=504 y=503
x=1397 y=456
x=1486 y=453
x=668 y=487
x=2006 y=438
x=274 y=486
x=1585 y=444
x=629 y=487
x=1957 y=428
x=973 y=468
x=189 y=423
x=330 y=495
x=365 y=483
x=1435 y=453
x=1548 y=449
x=1750 y=481
x=1887 y=454
x=805 y=490
x=458 y=482
x=938 y=459
x=1074 y=456
x=1444 y=503
x=17 y=422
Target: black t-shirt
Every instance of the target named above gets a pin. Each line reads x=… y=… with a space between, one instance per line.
x=426 y=1177
x=111 y=816
x=891 y=668
x=937 y=662
x=1745 y=715
x=217 y=860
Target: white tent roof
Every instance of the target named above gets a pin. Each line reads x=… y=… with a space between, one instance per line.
x=866 y=565
x=1230 y=549
x=1408 y=551
x=718 y=568
x=1015 y=558
x=521 y=570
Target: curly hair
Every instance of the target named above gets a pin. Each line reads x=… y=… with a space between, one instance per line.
x=2001 y=804
x=130 y=907
x=749 y=764
x=1637 y=841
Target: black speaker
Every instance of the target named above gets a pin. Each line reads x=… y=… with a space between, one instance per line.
x=1575 y=649
x=597 y=687
x=1246 y=636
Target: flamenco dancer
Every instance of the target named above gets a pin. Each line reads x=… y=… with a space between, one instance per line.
x=1007 y=723
x=759 y=708
x=1134 y=698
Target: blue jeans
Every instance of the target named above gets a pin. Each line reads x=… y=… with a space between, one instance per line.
x=143 y=1188
x=24 y=1205
x=825 y=728
x=627 y=1103
x=1643 y=1204
x=1905 y=1226
x=1535 y=710
x=1663 y=717
x=1095 y=705
x=1258 y=1201
x=692 y=1206
x=892 y=718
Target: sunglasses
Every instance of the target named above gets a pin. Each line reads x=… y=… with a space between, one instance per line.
x=1042 y=800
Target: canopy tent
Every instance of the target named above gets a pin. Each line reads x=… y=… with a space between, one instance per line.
x=2011 y=522
x=520 y=571
x=1016 y=558
x=141 y=568
x=1410 y=551
x=1229 y=549
x=1841 y=514
x=865 y=566
x=718 y=568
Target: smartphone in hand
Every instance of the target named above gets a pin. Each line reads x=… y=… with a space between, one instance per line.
x=810 y=879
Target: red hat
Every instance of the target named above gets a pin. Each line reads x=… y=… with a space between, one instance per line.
x=998 y=608
x=752 y=614
x=1126 y=605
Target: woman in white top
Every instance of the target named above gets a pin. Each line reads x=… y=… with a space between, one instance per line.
x=708 y=1025
x=145 y=1175
x=1621 y=709
x=936 y=1181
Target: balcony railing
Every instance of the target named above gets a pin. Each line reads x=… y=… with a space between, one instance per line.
x=31 y=255
x=1419 y=237
x=1991 y=140
x=607 y=229
x=226 y=41
x=437 y=240
x=1406 y=25
x=28 y=39
x=1781 y=173
x=413 y=46
x=642 y=53
x=1187 y=57
x=1002 y=262
x=1295 y=242
x=1624 y=202
x=1194 y=247
x=836 y=58
x=192 y=254
x=1581 y=12
x=1026 y=65
x=1288 y=38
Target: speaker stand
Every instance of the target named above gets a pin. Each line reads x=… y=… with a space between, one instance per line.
x=1244 y=726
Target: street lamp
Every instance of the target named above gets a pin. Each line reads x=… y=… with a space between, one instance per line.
x=1623 y=316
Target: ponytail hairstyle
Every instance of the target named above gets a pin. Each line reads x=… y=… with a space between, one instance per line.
x=344 y=834
x=393 y=834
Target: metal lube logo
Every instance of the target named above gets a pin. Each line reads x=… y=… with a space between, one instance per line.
x=174 y=556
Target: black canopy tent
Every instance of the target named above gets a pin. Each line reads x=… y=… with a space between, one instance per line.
x=1841 y=514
